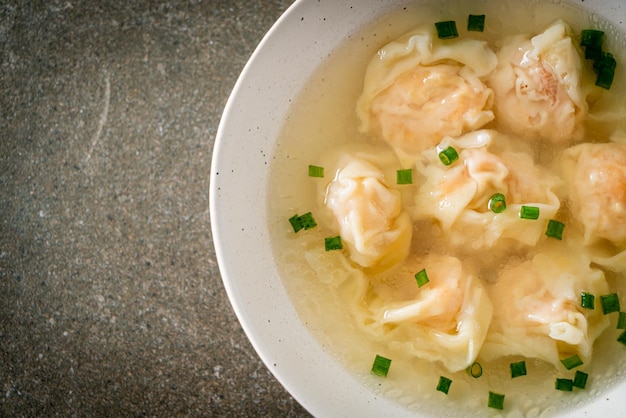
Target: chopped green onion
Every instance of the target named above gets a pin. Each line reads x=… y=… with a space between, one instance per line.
x=333 y=243
x=621 y=320
x=564 y=384
x=381 y=366
x=295 y=223
x=475 y=370
x=444 y=384
x=610 y=303
x=529 y=212
x=518 y=369
x=404 y=176
x=591 y=37
x=603 y=63
x=593 y=53
x=580 y=379
x=587 y=300
x=572 y=362
x=447 y=29
x=605 y=70
x=497 y=203
x=622 y=338
x=316 y=171
x=555 y=229
x=496 y=400
x=448 y=156
x=476 y=23
x=305 y=221
x=421 y=278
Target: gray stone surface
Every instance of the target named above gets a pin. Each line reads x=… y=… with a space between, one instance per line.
x=111 y=298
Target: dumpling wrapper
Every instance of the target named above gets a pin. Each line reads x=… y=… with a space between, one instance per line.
x=596 y=176
x=457 y=196
x=597 y=189
x=537 y=85
x=368 y=214
x=445 y=320
x=419 y=89
x=537 y=309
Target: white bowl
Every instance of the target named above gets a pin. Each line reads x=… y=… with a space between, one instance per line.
x=292 y=50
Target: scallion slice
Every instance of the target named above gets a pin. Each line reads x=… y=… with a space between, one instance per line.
x=572 y=362
x=593 y=53
x=446 y=29
x=529 y=212
x=497 y=203
x=564 y=384
x=610 y=303
x=421 y=278
x=475 y=370
x=621 y=320
x=605 y=70
x=591 y=37
x=299 y=222
x=587 y=300
x=622 y=338
x=333 y=243
x=444 y=384
x=555 y=229
x=381 y=366
x=476 y=23
x=580 y=379
x=307 y=221
x=603 y=63
x=496 y=400
x=404 y=176
x=448 y=156
x=316 y=171
x=518 y=369
x=295 y=223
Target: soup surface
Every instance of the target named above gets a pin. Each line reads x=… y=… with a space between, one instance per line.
x=508 y=236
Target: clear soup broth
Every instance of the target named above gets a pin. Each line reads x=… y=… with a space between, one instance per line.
x=325 y=286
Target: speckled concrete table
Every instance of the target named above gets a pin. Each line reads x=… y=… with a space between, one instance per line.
x=112 y=302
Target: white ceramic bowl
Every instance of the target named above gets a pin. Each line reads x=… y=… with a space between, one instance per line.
x=291 y=51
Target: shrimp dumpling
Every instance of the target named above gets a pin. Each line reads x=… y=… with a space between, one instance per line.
x=419 y=89
x=368 y=214
x=537 y=85
x=537 y=311
x=444 y=320
x=597 y=179
x=458 y=196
